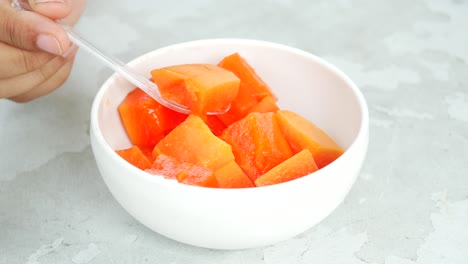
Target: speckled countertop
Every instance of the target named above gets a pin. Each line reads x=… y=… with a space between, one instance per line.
x=410 y=204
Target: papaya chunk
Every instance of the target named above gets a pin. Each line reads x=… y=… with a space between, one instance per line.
x=145 y=120
x=268 y=104
x=238 y=136
x=214 y=123
x=135 y=157
x=297 y=166
x=303 y=134
x=148 y=152
x=232 y=176
x=193 y=142
x=257 y=143
x=165 y=166
x=240 y=107
x=184 y=172
x=199 y=176
x=252 y=89
x=201 y=87
x=242 y=69
x=271 y=147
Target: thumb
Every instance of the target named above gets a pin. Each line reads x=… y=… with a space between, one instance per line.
x=31 y=31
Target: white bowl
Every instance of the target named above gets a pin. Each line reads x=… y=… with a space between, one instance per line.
x=239 y=218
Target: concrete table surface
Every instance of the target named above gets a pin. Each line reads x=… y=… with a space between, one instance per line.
x=410 y=204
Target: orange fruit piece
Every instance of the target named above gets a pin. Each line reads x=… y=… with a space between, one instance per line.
x=257 y=143
x=252 y=89
x=303 y=134
x=145 y=120
x=197 y=175
x=232 y=176
x=201 y=87
x=297 y=166
x=193 y=142
x=184 y=172
x=267 y=104
x=240 y=107
x=242 y=69
x=214 y=123
x=135 y=157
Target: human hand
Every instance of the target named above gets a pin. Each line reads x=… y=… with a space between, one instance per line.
x=36 y=56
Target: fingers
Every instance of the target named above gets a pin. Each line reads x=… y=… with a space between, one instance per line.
x=53 y=9
x=77 y=9
x=68 y=11
x=48 y=86
x=16 y=61
x=31 y=31
x=21 y=84
x=29 y=44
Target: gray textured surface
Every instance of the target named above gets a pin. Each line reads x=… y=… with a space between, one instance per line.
x=410 y=204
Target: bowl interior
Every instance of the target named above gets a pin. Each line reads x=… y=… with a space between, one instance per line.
x=303 y=83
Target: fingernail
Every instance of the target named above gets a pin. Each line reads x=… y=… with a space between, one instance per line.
x=49 y=44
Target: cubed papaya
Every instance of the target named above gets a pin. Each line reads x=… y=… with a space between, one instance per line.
x=214 y=123
x=257 y=143
x=303 y=134
x=135 y=157
x=252 y=89
x=232 y=176
x=198 y=175
x=243 y=146
x=248 y=76
x=201 y=87
x=165 y=166
x=192 y=141
x=268 y=104
x=297 y=166
x=184 y=172
x=240 y=107
x=271 y=147
x=145 y=120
